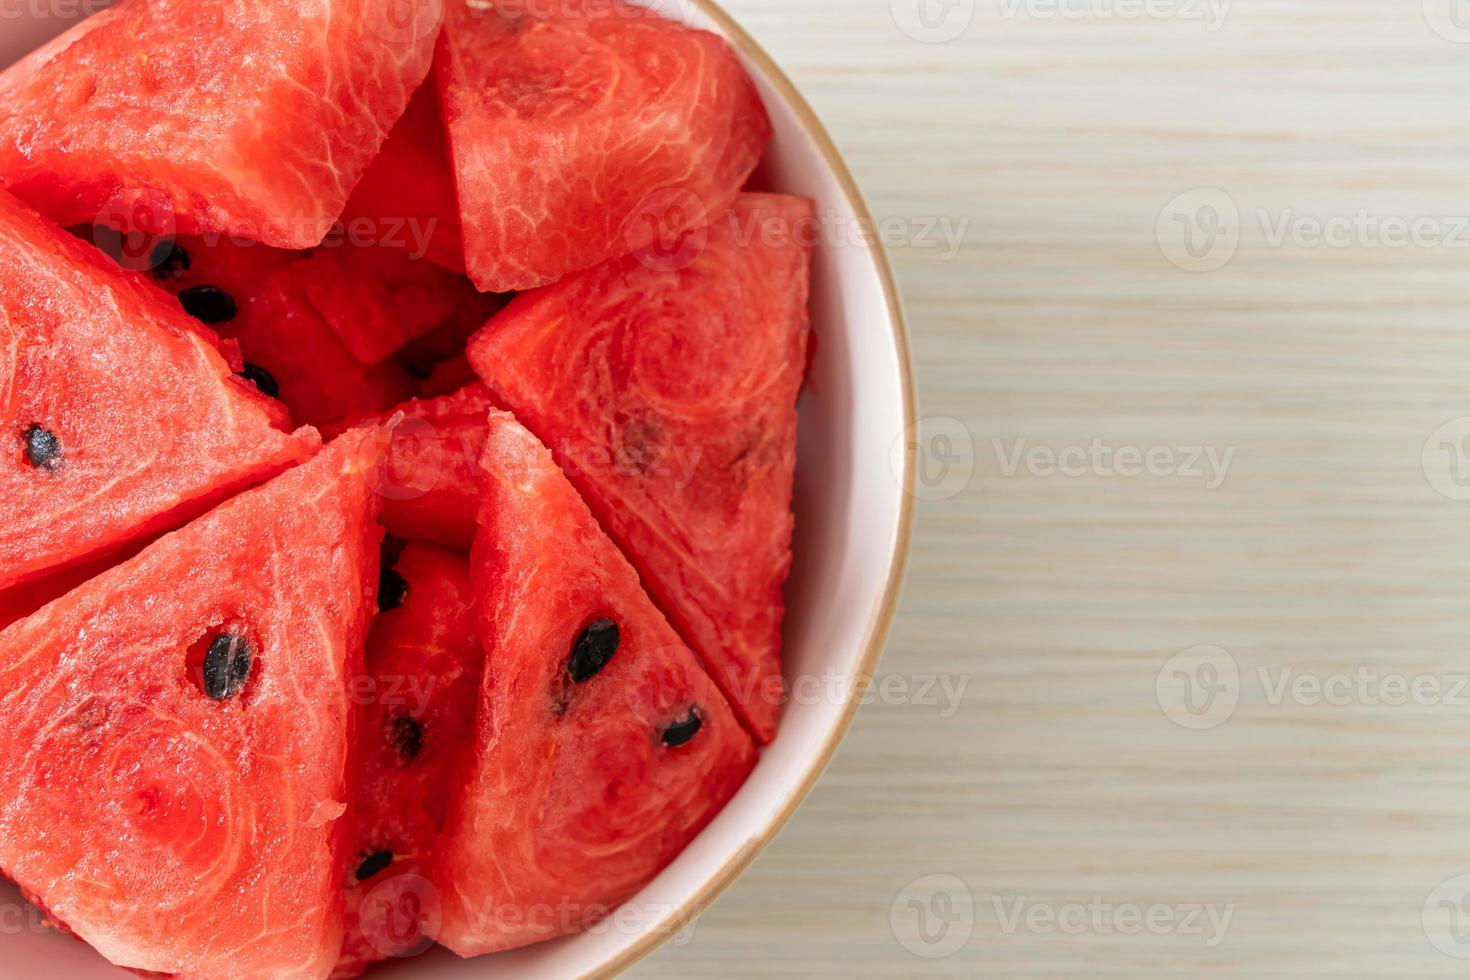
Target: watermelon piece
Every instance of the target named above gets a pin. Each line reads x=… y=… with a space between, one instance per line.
x=408 y=191
x=149 y=113
x=173 y=786
x=270 y=301
x=379 y=299
x=315 y=374
x=602 y=748
x=122 y=249
x=375 y=299
x=431 y=474
x=424 y=664
x=122 y=420
x=585 y=130
x=669 y=396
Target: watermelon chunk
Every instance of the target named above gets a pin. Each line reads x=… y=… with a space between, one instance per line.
x=178 y=733
x=379 y=299
x=432 y=473
x=151 y=112
x=316 y=375
x=669 y=396
x=409 y=186
x=602 y=748
x=288 y=312
x=375 y=299
x=583 y=130
x=122 y=421
x=424 y=666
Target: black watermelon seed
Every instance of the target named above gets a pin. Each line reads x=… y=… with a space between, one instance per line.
x=169 y=260
x=374 y=863
x=262 y=379
x=392 y=550
x=227 y=666
x=682 y=732
x=392 y=590
x=593 y=648
x=43 y=449
x=209 y=304
x=407 y=737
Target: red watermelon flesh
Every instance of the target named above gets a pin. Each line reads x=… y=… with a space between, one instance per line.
x=669 y=395
x=150 y=112
x=424 y=664
x=21 y=601
x=601 y=748
x=431 y=474
x=448 y=377
x=120 y=248
x=446 y=342
x=587 y=129
x=265 y=299
x=379 y=299
x=317 y=376
x=122 y=421
x=180 y=733
x=375 y=299
x=409 y=189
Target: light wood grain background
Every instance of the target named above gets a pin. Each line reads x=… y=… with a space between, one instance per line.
x=1322 y=828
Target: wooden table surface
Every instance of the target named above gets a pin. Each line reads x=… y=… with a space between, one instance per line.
x=1207 y=587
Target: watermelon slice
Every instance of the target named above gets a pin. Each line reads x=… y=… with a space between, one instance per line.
x=179 y=733
x=408 y=192
x=302 y=357
x=375 y=299
x=285 y=310
x=601 y=749
x=424 y=666
x=254 y=119
x=669 y=396
x=122 y=421
x=379 y=299
x=431 y=474
x=583 y=130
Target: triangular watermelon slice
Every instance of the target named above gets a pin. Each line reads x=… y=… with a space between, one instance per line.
x=120 y=420
x=424 y=665
x=179 y=733
x=669 y=396
x=583 y=130
x=150 y=112
x=409 y=188
x=601 y=748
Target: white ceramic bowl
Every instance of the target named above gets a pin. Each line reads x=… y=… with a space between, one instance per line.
x=853 y=504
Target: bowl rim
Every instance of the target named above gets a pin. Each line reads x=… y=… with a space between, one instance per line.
x=879 y=626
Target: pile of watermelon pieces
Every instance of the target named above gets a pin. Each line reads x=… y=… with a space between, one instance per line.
x=401 y=405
